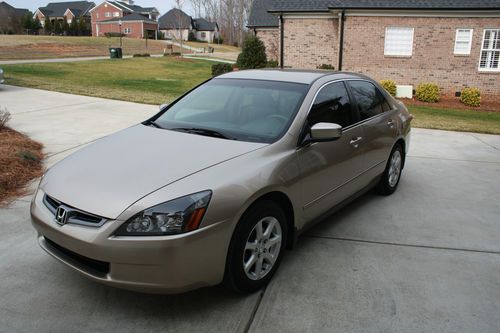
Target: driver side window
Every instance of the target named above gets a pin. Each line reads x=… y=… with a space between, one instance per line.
x=332 y=105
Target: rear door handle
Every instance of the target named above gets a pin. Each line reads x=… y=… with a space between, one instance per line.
x=390 y=123
x=355 y=141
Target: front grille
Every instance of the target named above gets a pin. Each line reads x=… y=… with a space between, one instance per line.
x=74 y=215
x=92 y=266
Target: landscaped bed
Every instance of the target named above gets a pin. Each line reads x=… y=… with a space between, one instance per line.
x=20 y=162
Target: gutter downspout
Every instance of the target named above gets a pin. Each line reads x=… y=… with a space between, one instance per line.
x=282 y=43
x=341 y=39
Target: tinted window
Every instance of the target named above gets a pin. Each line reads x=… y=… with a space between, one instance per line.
x=332 y=105
x=247 y=110
x=369 y=99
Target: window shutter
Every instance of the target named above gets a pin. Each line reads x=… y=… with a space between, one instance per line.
x=398 y=41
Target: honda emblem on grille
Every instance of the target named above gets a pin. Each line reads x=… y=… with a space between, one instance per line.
x=61 y=215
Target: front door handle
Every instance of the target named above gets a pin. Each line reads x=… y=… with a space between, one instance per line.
x=355 y=141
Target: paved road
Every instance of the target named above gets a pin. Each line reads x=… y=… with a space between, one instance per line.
x=426 y=259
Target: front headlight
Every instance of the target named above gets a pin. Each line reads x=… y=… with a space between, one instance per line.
x=172 y=217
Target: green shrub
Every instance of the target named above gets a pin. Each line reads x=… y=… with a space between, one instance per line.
x=218 y=40
x=219 y=69
x=113 y=34
x=253 y=54
x=471 y=97
x=191 y=37
x=27 y=156
x=427 y=92
x=272 y=64
x=141 y=55
x=326 y=67
x=390 y=86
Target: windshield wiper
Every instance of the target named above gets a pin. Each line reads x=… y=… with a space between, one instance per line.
x=205 y=132
x=152 y=123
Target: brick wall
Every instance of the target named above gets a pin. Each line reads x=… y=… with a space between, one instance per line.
x=271 y=39
x=432 y=60
x=310 y=42
x=98 y=14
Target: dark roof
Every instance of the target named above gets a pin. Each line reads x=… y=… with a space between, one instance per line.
x=59 y=8
x=132 y=17
x=133 y=8
x=325 y=5
x=22 y=11
x=259 y=17
x=175 y=19
x=201 y=24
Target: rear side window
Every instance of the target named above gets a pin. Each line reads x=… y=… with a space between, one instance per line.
x=369 y=99
x=332 y=105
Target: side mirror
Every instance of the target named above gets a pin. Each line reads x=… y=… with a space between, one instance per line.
x=322 y=132
x=163 y=106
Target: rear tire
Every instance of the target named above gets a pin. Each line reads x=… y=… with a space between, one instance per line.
x=392 y=173
x=256 y=247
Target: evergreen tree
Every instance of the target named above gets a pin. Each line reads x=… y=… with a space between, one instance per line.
x=65 y=27
x=73 y=27
x=48 y=27
x=82 y=27
x=57 y=27
x=253 y=54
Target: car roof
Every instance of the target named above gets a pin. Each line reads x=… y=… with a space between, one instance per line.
x=289 y=75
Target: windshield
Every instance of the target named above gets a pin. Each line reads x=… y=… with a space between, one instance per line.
x=238 y=109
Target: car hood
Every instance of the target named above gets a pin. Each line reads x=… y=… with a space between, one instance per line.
x=108 y=176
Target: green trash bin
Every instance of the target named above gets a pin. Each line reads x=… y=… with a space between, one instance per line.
x=115 y=53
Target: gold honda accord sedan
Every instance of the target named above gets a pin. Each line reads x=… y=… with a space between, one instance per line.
x=220 y=182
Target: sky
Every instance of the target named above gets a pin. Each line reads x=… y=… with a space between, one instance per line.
x=162 y=5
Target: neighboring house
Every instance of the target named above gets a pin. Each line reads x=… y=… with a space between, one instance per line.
x=455 y=44
x=124 y=16
x=60 y=11
x=10 y=18
x=176 y=24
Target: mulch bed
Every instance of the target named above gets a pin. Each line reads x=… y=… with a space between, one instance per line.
x=454 y=103
x=20 y=162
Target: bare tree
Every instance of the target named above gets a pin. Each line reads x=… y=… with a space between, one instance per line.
x=179 y=17
x=231 y=16
x=197 y=6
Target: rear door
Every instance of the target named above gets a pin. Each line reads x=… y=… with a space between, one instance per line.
x=378 y=120
x=330 y=170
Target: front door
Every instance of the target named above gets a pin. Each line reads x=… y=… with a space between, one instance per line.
x=330 y=169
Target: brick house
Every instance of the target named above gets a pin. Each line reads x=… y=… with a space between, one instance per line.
x=452 y=43
x=124 y=17
x=10 y=18
x=60 y=11
x=176 y=24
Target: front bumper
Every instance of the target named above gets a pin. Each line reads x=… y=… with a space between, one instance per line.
x=159 y=264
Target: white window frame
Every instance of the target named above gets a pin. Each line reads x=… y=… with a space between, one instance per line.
x=116 y=14
x=457 y=52
x=388 y=53
x=497 y=49
x=127 y=31
x=107 y=14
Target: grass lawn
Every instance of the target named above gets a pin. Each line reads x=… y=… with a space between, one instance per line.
x=455 y=120
x=13 y=47
x=142 y=80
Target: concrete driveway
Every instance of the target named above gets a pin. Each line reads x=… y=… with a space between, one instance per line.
x=426 y=259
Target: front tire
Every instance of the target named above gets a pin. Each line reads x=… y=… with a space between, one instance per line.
x=392 y=173
x=256 y=247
